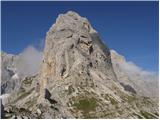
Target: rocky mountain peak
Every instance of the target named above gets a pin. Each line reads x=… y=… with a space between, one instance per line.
x=73 y=51
x=76 y=79
x=73 y=21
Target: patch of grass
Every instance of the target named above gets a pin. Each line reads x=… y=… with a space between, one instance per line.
x=131 y=99
x=113 y=101
x=27 y=81
x=86 y=105
x=147 y=115
x=139 y=116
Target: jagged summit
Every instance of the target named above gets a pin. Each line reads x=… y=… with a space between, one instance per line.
x=81 y=51
x=76 y=79
x=71 y=20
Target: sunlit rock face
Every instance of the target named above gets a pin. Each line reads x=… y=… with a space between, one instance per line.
x=73 y=50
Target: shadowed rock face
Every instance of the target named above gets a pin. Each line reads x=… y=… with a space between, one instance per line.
x=76 y=79
x=128 y=88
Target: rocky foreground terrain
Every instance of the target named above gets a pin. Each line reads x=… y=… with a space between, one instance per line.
x=79 y=77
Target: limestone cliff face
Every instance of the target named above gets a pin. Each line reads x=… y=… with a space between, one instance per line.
x=73 y=50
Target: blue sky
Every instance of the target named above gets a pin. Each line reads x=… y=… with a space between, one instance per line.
x=130 y=28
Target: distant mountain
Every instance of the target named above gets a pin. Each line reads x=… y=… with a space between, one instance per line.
x=144 y=83
x=16 y=67
x=78 y=79
x=10 y=79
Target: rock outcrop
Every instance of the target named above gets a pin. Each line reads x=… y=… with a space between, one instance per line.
x=73 y=52
x=76 y=79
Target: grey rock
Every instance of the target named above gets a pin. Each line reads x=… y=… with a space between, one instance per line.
x=9 y=81
x=39 y=111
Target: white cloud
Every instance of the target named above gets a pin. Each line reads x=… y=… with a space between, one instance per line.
x=29 y=61
x=144 y=82
x=132 y=69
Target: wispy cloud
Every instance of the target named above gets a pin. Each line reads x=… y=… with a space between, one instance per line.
x=143 y=81
x=132 y=69
x=29 y=61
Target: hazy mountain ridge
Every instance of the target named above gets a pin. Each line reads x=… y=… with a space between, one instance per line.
x=145 y=83
x=9 y=78
x=78 y=81
x=16 y=67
